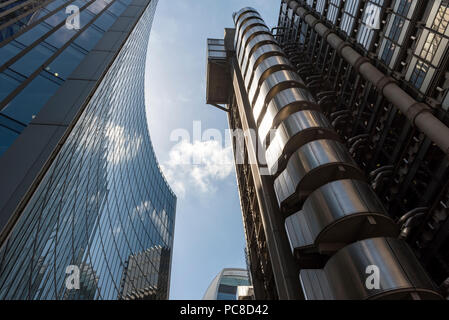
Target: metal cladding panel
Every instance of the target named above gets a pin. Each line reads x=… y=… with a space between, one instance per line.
x=312 y=166
x=218 y=83
x=239 y=19
x=283 y=104
x=259 y=55
x=251 y=28
x=238 y=15
x=257 y=41
x=345 y=211
x=217 y=73
x=267 y=67
x=315 y=285
x=242 y=25
x=298 y=231
x=295 y=131
x=346 y=271
x=250 y=22
x=275 y=83
x=341 y=198
x=263 y=70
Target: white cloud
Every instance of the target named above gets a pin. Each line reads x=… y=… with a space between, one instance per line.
x=122 y=146
x=198 y=166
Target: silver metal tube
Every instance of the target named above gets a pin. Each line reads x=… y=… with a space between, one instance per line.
x=418 y=113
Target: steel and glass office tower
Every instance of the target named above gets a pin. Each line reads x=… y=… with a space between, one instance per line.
x=80 y=183
x=345 y=182
x=226 y=283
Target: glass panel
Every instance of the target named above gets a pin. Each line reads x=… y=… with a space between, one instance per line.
x=56 y=18
x=33 y=34
x=11 y=124
x=97 y=6
x=217 y=54
x=54 y=4
x=216 y=47
x=7 y=85
x=117 y=8
x=9 y=51
x=223 y=288
x=89 y=38
x=7 y=137
x=105 y=21
x=32 y=60
x=215 y=41
x=66 y=62
x=31 y=99
x=226 y=296
x=61 y=36
x=235 y=281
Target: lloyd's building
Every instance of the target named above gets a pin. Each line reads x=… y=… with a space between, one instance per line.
x=80 y=186
x=341 y=159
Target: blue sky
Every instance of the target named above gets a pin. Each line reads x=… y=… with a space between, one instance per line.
x=209 y=233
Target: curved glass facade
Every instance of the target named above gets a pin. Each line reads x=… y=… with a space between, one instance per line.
x=38 y=53
x=103 y=205
x=225 y=284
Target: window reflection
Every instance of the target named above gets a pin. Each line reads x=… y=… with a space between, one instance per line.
x=398 y=24
x=333 y=11
x=431 y=47
x=27 y=104
x=370 y=21
x=103 y=204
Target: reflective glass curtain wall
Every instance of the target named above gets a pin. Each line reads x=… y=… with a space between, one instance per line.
x=38 y=52
x=224 y=285
x=103 y=200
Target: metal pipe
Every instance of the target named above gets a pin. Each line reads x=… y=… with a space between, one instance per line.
x=408 y=226
x=411 y=213
x=419 y=114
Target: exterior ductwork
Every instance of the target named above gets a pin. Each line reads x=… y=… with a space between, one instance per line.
x=419 y=114
x=336 y=225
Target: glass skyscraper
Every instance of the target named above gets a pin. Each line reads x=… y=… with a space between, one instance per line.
x=80 y=182
x=224 y=286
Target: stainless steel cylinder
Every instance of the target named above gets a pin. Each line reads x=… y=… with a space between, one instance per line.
x=259 y=55
x=337 y=214
x=252 y=28
x=263 y=71
x=283 y=104
x=298 y=129
x=243 y=23
x=375 y=269
x=312 y=166
x=274 y=83
x=256 y=42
